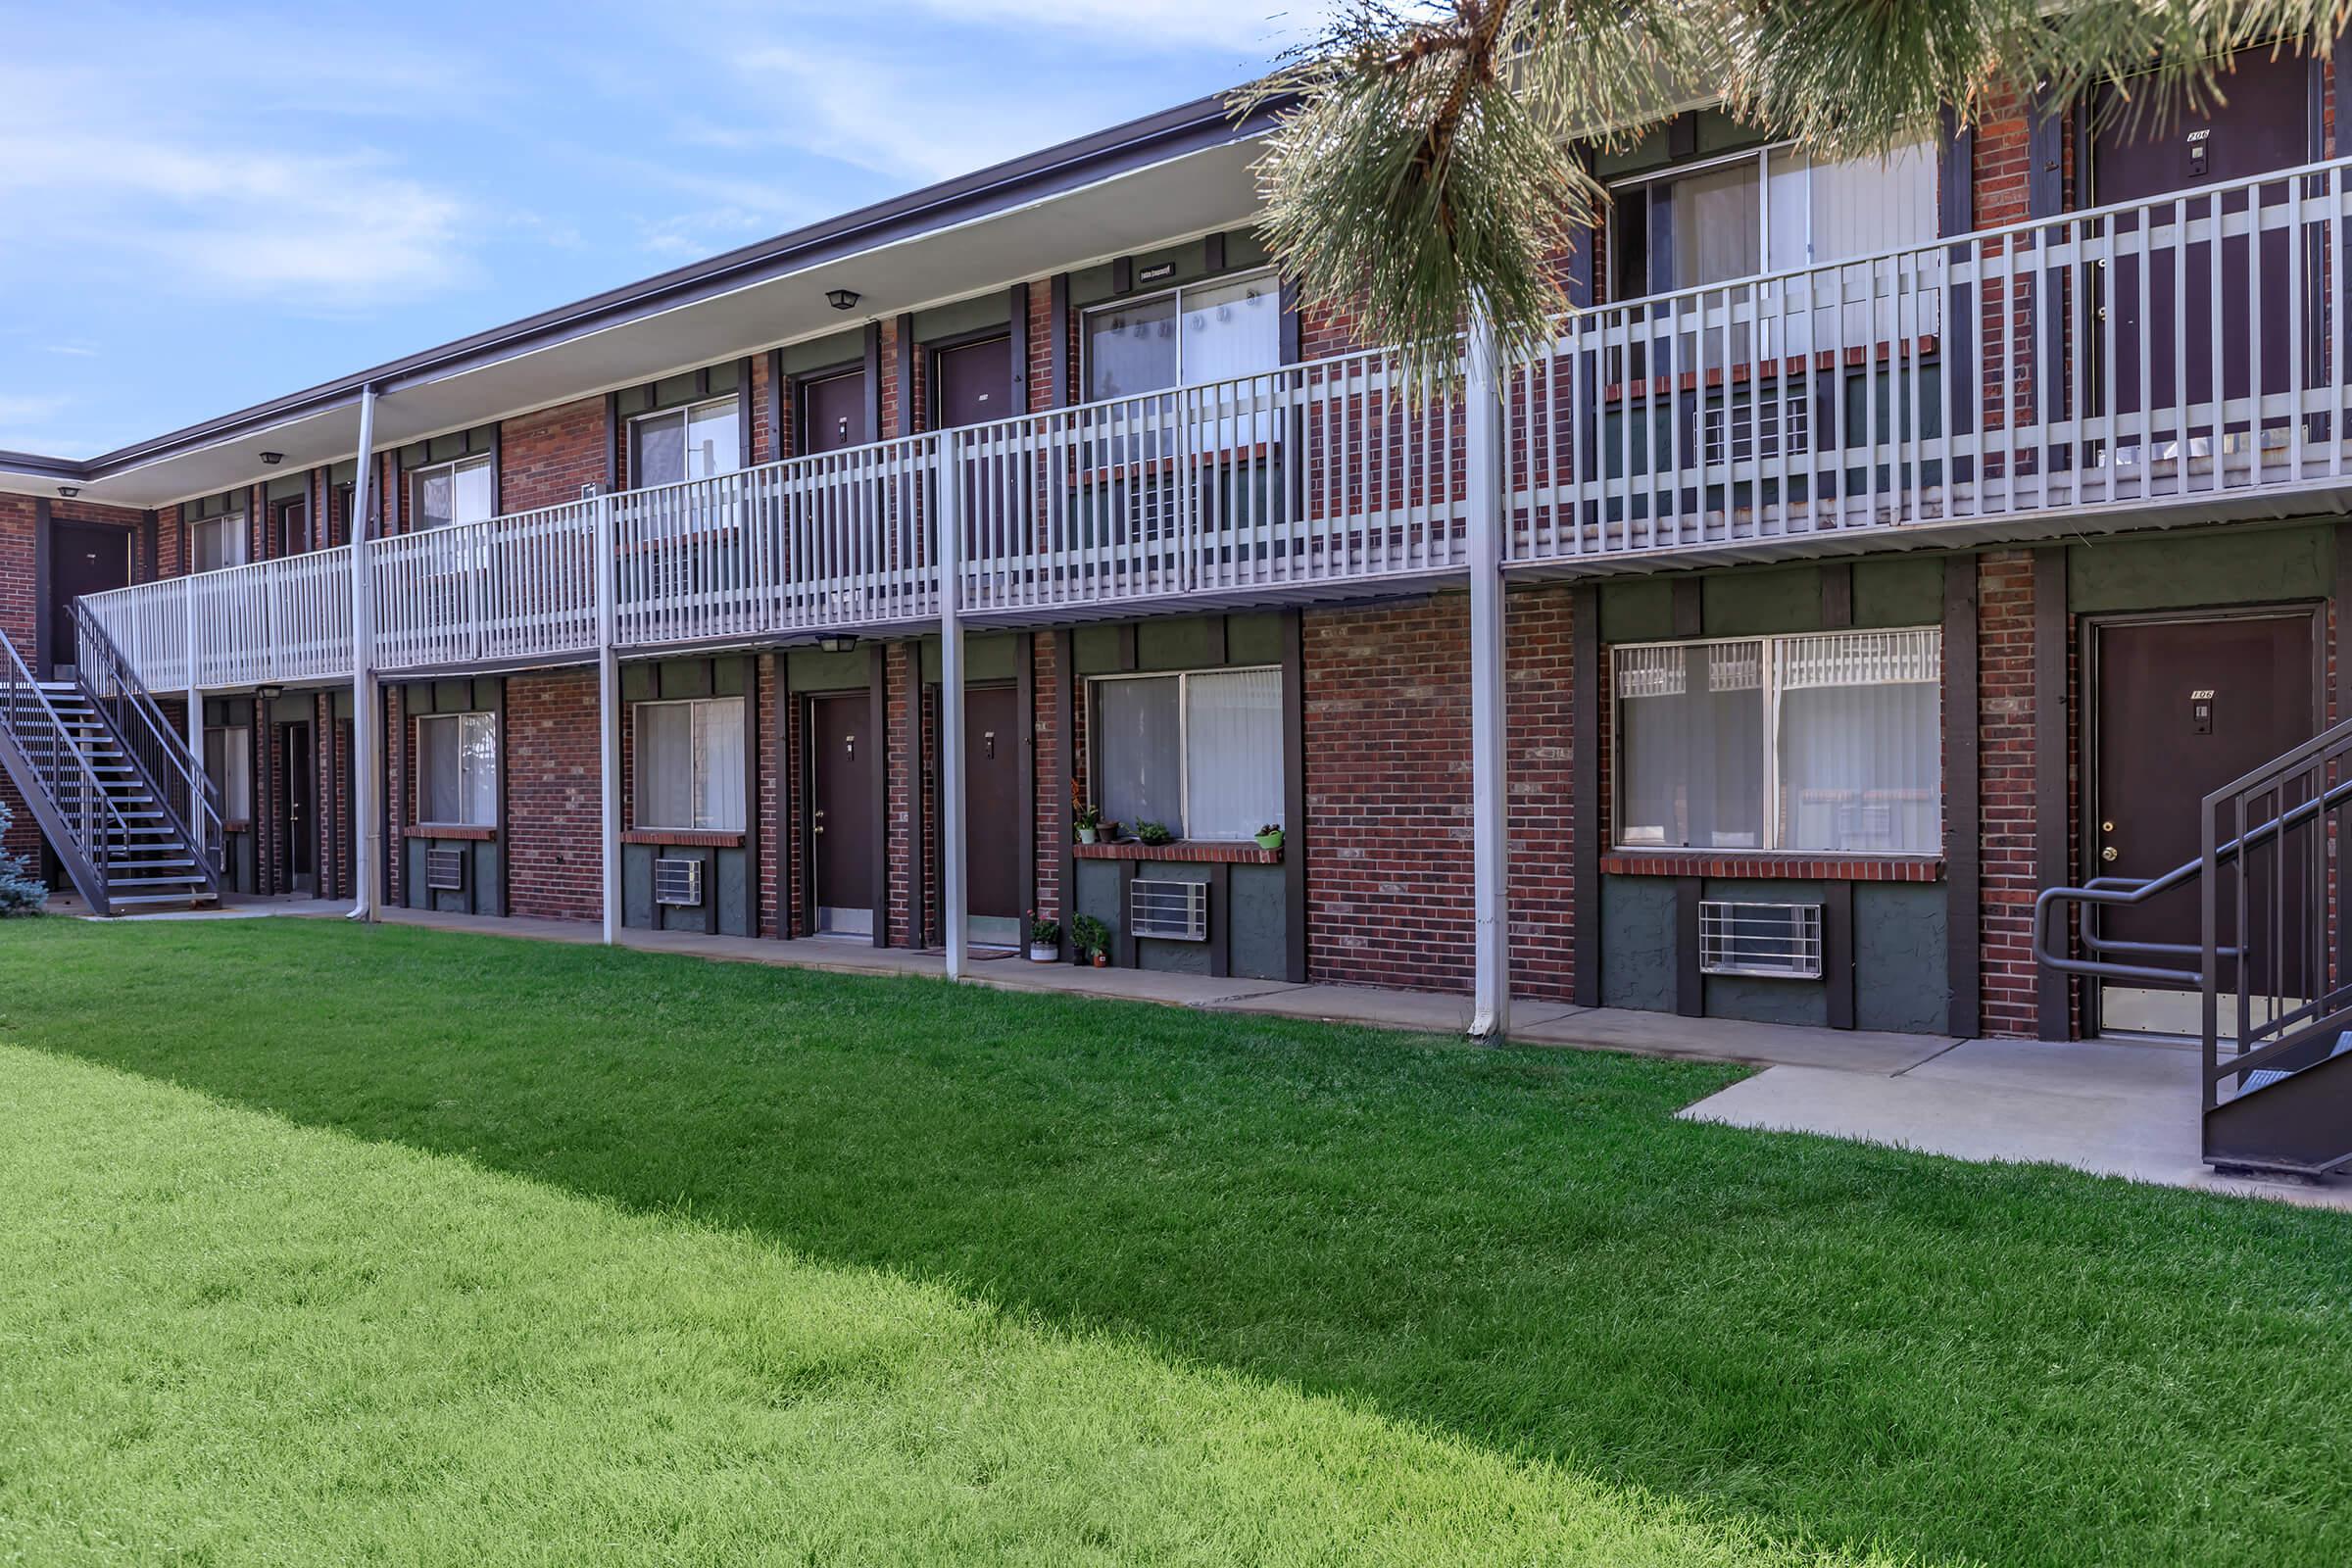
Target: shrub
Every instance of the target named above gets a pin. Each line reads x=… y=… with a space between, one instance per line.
x=21 y=892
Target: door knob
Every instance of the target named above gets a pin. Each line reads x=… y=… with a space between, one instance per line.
x=2107 y=854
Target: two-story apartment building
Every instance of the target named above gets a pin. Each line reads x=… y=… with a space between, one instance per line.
x=1877 y=546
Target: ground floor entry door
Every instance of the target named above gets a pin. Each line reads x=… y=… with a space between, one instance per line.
x=82 y=560
x=2181 y=708
x=995 y=801
x=841 y=822
x=299 y=788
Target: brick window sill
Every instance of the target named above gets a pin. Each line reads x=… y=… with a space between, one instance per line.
x=450 y=830
x=683 y=838
x=1792 y=866
x=237 y=824
x=1201 y=852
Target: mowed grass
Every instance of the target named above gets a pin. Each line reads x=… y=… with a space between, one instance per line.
x=390 y=1245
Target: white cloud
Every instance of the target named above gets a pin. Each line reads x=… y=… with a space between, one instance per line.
x=1258 y=27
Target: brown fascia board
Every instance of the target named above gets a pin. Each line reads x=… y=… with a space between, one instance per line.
x=1202 y=123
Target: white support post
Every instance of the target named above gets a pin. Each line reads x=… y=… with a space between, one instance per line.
x=188 y=605
x=608 y=714
x=367 y=724
x=1490 y=796
x=952 y=857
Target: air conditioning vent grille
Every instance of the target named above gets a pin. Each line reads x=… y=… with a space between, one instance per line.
x=1773 y=940
x=1168 y=909
x=678 y=882
x=445 y=870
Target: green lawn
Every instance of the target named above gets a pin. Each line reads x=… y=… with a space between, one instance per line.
x=320 y=1244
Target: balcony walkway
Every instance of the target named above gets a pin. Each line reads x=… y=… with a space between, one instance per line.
x=2125 y=1110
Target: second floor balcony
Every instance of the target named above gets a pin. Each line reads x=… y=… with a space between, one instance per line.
x=2173 y=360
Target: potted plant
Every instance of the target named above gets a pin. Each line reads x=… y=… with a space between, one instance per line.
x=1089 y=822
x=1154 y=833
x=1269 y=837
x=1092 y=940
x=1045 y=939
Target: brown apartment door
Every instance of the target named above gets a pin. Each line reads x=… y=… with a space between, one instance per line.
x=995 y=801
x=2139 y=151
x=82 y=560
x=2183 y=708
x=842 y=748
x=294 y=533
x=973 y=383
x=833 y=413
x=297 y=784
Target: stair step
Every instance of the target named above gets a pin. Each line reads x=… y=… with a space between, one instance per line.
x=2264 y=1077
x=187 y=898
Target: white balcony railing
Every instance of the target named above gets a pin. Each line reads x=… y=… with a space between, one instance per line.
x=2151 y=353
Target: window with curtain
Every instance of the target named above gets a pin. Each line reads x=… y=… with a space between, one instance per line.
x=1188 y=336
x=217 y=542
x=1826 y=743
x=228 y=763
x=452 y=492
x=457 y=770
x=690 y=765
x=699 y=442
x=1198 y=752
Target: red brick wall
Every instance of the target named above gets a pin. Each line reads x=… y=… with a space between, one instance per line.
x=553 y=805
x=2007 y=765
x=544 y=457
x=1388 y=795
x=774 y=792
x=1051 y=812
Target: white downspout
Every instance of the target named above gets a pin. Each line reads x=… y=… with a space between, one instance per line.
x=607 y=715
x=367 y=724
x=952 y=859
x=1490 y=796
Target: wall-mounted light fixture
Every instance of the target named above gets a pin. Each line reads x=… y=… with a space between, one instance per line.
x=272 y=460
x=69 y=491
x=269 y=694
x=842 y=299
x=836 y=645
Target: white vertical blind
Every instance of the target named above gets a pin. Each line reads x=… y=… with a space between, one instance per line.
x=1690 y=738
x=458 y=768
x=1231 y=330
x=719 y=765
x=1233 y=740
x=665 y=765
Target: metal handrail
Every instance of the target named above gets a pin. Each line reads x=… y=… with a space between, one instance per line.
x=117 y=694
x=20 y=696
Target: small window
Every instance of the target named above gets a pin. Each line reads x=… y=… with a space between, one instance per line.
x=228 y=763
x=457 y=770
x=1199 y=753
x=699 y=442
x=1188 y=336
x=690 y=765
x=217 y=542
x=452 y=492
x=1825 y=743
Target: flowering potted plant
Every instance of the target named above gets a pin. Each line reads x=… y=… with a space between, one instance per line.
x=1269 y=837
x=1090 y=824
x=1045 y=939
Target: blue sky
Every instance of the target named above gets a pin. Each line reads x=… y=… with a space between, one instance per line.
x=201 y=208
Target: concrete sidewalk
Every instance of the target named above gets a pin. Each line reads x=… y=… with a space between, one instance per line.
x=2112 y=1109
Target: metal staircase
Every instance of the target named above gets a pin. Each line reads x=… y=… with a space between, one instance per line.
x=2274 y=958
x=113 y=786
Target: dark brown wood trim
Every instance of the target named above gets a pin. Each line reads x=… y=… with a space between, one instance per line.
x=1122 y=274
x=1293 y=796
x=1065 y=766
x=2046 y=151
x=919 y=767
x=2315 y=105
x=1127 y=653
x=1690 y=608
x=874 y=381
x=611 y=442
x=497 y=466
x=1836 y=596
x=1963 y=809
x=1019 y=389
x=801 y=760
x=1024 y=665
x=1690 y=986
x=1291 y=349
x=877 y=696
x=1220 y=640
x=2050 y=769
x=1220 y=927
x=1955 y=177
x=743 y=408
x=43 y=569
x=1584 y=763
x=1057 y=338
x=1837 y=950
x=1212 y=253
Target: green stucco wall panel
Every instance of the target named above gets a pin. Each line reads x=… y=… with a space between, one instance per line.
x=2241 y=566
x=1636 y=945
x=1900 y=937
